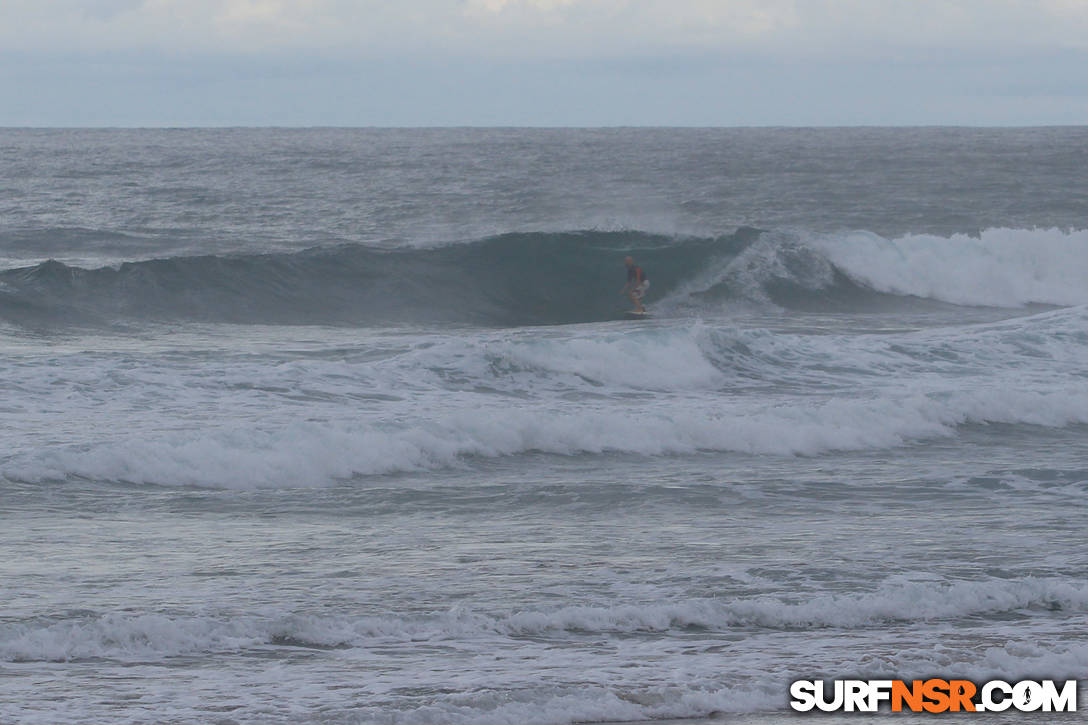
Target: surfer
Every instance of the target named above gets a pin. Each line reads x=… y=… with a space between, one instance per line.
x=637 y=284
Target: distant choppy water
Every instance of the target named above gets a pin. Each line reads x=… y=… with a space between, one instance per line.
x=342 y=426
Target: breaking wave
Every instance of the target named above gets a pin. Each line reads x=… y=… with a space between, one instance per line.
x=555 y=278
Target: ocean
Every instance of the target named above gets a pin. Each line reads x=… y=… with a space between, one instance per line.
x=346 y=425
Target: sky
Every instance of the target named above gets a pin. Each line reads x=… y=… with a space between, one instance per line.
x=543 y=62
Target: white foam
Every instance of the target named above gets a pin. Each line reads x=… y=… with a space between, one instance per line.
x=128 y=636
x=999 y=268
x=670 y=360
x=659 y=358
x=898 y=600
x=317 y=453
x=659 y=659
x=433 y=401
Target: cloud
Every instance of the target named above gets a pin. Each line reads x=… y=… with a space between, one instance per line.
x=497 y=6
x=581 y=62
x=542 y=28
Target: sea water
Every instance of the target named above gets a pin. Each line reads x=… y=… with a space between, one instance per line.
x=345 y=426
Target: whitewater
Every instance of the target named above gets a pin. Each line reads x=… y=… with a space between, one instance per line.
x=346 y=426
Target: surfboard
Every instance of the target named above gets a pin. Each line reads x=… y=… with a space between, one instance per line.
x=636 y=315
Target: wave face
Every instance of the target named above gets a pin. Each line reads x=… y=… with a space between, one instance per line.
x=555 y=278
x=512 y=279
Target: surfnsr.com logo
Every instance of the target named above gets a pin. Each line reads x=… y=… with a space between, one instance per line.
x=933 y=695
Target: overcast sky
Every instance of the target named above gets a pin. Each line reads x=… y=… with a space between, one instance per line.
x=543 y=62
